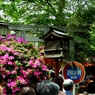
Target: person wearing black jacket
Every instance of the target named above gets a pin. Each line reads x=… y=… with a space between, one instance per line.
x=91 y=85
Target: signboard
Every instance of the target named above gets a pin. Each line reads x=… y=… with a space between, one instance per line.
x=74 y=71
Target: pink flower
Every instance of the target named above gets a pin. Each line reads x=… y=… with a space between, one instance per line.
x=4 y=40
x=37 y=62
x=7 y=72
x=16 y=67
x=8 y=42
x=6 y=56
x=13 y=72
x=15 y=53
x=24 y=73
x=2 y=69
x=9 y=36
x=9 y=80
x=36 y=74
x=30 y=62
x=25 y=42
x=21 y=67
x=11 y=57
x=10 y=50
x=20 y=40
x=21 y=80
x=10 y=63
x=45 y=77
x=29 y=71
x=27 y=80
x=44 y=68
x=15 y=90
x=34 y=65
x=3 y=61
x=0 y=37
x=3 y=47
x=12 y=84
x=4 y=91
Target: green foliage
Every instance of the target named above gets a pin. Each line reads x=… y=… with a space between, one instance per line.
x=92 y=36
x=42 y=12
x=49 y=12
x=89 y=15
x=85 y=49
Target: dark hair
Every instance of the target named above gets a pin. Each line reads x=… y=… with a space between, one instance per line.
x=47 y=87
x=52 y=73
x=88 y=77
x=82 y=91
x=27 y=91
x=59 y=80
x=68 y=84
x=92 y=70
x=82 y=83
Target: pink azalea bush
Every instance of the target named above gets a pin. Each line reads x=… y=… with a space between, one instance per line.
x=20 y=64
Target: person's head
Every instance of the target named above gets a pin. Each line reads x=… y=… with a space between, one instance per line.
x=47 y=87
x=27 y=91
x=52 y=73
x=59 y=80
x=81 y=90
x=92 y=72
x=88 y=78
x=83 y=84
x=68 y=85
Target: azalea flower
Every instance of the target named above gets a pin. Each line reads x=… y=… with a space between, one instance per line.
x=13 y=72
x=12 y=84
x=44 y=68
x=29 y=71
x=15 y=90
x=11 y=57
x=20 y=64
x=25 y=73
x=3 y=47
x=22 y=80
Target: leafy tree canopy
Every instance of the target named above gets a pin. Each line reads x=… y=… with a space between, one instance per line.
x=47 y=12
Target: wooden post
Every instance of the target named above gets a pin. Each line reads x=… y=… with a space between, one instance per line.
x=56 y=67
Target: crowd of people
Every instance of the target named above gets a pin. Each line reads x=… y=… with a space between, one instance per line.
x=52 y=86
x=56 y=85
x=87 y=86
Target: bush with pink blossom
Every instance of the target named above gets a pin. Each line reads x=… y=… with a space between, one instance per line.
x=20 y=64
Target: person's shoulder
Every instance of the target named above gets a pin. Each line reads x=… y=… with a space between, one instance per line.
x=68 y=93
x=1 y=90
x=91 y=87
x=61 y=93
x=92 y=84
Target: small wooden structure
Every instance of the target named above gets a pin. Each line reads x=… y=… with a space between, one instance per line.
x=56 y=46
